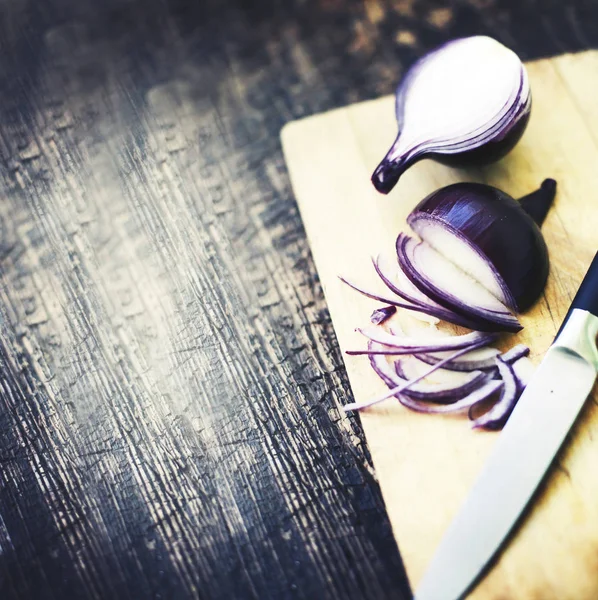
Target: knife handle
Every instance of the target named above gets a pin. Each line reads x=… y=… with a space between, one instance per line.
x=587 y=295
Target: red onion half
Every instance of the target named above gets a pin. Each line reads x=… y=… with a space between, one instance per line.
x=467 y=102
x=481 y=258
x=491 y=238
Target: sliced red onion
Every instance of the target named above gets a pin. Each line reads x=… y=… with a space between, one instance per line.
x=514 y=354
x=401 y=388
x=436 y=392
x=406 y=305
x=489 y=236
x=523 y=368
x=384 y=352
x=396 y=281
x=402 y=286
x=497 y=416
x=450 y=286
x=381 y=365
x=410 y=366
x=464 y=363
x=467 y=102
x=458 y=401
x=413 y=345
x=470 y=401
x=381 y=315
x=483 y=359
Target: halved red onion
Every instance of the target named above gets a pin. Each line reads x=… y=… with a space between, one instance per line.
x=481 y=256
x=497 y=416
x=490 y=237
x=452 y=287
x=467 y=102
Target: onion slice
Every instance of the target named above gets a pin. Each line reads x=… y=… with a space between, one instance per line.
x=523 y=368
x=497 y=416
x=483 y=359
x=437 y=392
x=470 y=401
x=463 y=363
x=373 y=296
x=515 y=353
x=406 y=305
x=412 y=345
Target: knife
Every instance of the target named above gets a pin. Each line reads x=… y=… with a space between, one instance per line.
x=523 y=452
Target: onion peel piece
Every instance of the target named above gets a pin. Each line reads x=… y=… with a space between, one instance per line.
x=490 y=236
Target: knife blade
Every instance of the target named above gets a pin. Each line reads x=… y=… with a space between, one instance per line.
x=523 y=452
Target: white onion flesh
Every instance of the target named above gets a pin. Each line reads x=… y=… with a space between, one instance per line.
x=447 y=278
x=462 y=254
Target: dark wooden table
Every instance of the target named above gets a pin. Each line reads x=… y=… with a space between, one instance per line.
x=170 y=380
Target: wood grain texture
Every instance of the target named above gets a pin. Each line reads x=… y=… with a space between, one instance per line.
x=427 y=464
x=170 y=380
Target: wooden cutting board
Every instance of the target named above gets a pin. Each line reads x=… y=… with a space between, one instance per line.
x=427 y=464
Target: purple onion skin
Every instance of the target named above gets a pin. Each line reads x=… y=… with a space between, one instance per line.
x=486 y=154
x=494 y=222
x=381 y=315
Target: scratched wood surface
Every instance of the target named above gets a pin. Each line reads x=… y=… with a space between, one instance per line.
x=170 y=381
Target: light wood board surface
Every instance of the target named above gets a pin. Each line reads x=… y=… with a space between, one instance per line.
x=427 y=464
